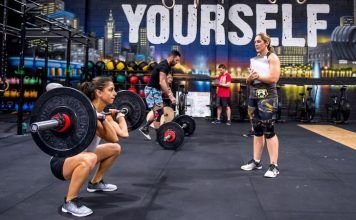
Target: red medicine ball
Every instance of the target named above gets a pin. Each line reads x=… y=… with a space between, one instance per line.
x=132 y=89
x=133 y=79
x=146 y=79
x=142 y=93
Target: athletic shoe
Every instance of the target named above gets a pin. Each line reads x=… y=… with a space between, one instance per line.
x=228 y=122
x=249 y=134
x=252 y=165
x=101 y=186
x=75 y=208
x=146 y=132
x=216 y=122
x=272 y=171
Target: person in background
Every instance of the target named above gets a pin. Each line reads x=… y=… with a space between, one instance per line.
x=223 y=83
x=157 y=85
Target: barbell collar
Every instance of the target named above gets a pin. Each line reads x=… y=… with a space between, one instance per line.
x=124 y=111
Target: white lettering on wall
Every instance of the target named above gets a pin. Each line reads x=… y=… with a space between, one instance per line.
x=241 y=24
x=314 y=24
x=212 y=21
x=191 y=25
x=134 y=19
x=216 y=25
x=163 y=35
x=262 y=25
x=287 y=27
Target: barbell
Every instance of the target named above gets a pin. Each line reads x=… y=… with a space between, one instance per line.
x=63 y=121
x=171 y=135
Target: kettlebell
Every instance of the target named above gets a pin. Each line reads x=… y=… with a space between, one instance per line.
x=26 y=80
x=12 y=81
x=31 y=106
x=32 y=81
x=25 y=107
x=26 y=94
x=7 y=93
x=10 y=105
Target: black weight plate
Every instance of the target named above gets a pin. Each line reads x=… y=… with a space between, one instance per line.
x=189 y=122
x=83 y=122
x=135 y=105
x=179 y=135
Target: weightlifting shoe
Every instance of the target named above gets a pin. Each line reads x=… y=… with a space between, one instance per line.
x=146 y=132
x=75 y=208
x=272 y=171
x=101 y=187
x=252 y=165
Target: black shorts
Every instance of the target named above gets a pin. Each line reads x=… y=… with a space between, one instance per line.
x=222 y=101
x=262 y=109
x=56 y=164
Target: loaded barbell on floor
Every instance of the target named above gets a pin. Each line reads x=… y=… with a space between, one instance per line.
x=187 y=123
x=63 y=121
x=171 y=135
x=168 y=116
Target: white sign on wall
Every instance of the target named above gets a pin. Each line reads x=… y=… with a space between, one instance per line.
x=198 y=102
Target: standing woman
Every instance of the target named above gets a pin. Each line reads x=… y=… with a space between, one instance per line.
x=263 y=101
x=76 y=169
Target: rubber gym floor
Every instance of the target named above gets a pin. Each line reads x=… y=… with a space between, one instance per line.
x=200 y=181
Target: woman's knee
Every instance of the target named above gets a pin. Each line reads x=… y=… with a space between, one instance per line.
x=116 y=148
x=90 y=159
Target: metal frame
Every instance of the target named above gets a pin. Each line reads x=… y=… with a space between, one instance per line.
x=35 y=25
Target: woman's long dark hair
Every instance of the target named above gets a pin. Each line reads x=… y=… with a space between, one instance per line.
x=99 y=82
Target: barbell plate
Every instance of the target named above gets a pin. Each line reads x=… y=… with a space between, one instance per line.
x=171 y=144
x=168 y=116
x=83 y=122
x=189 y=123
x=135 y=105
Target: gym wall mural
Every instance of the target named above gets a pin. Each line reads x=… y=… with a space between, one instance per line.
x=313 y=38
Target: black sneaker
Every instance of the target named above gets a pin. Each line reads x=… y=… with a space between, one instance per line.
x=146 y=132
x=101 y=187
x=252 y=165
x=228 y=122
x=216 y=122
x=76 y=208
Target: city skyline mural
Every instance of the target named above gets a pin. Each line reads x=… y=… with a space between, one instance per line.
x=212 y=32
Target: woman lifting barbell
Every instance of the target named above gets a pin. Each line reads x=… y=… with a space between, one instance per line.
x=111 y=128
